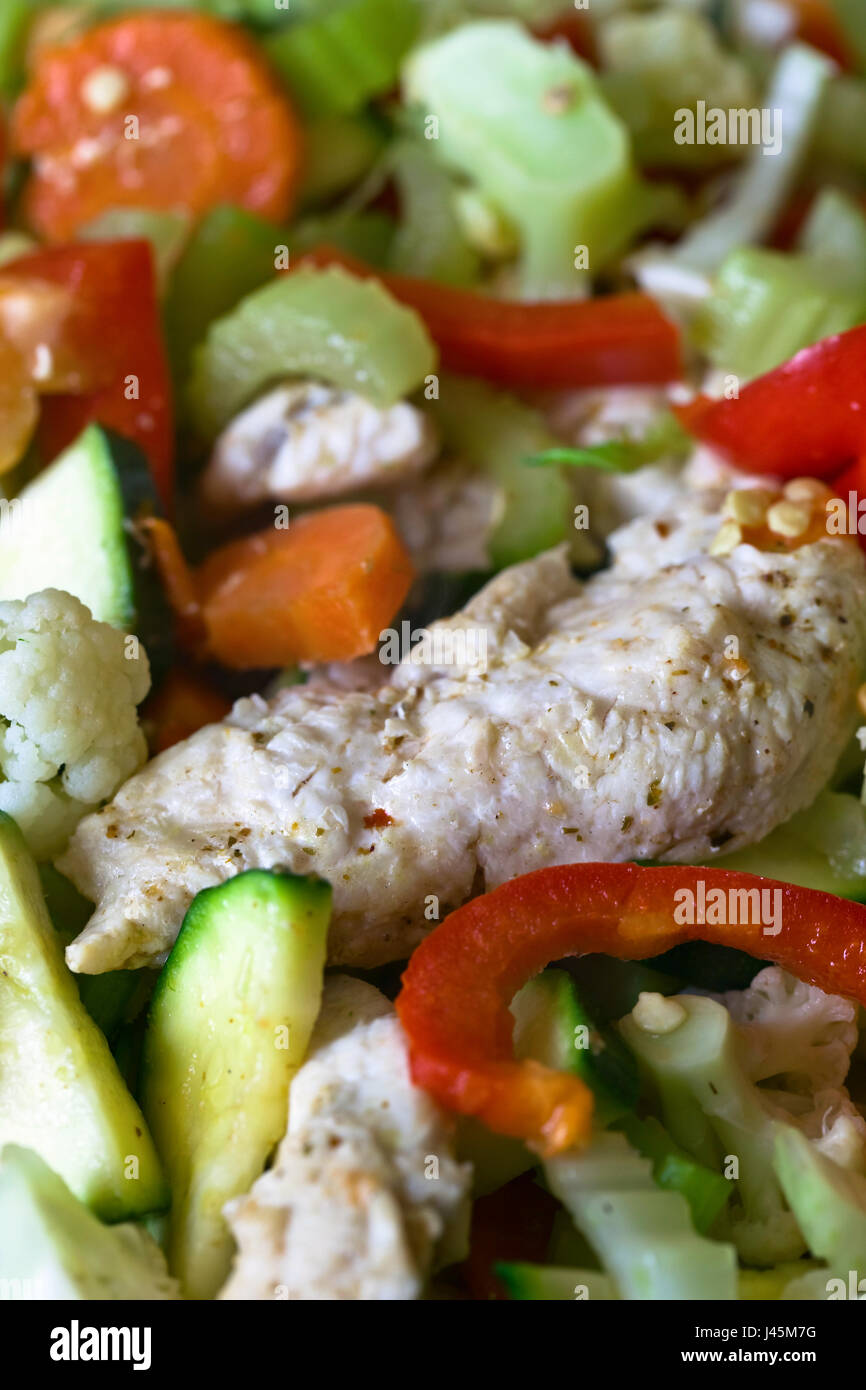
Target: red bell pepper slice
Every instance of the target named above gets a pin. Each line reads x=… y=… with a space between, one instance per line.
x=115 y=328
x=807 y=416
x=461 y=979
x=621 y=339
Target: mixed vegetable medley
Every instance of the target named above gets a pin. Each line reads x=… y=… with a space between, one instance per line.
x=432 y=649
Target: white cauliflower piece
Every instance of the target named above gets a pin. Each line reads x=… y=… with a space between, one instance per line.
x=69 y=732
x=793 y=1031
x=802 y=1039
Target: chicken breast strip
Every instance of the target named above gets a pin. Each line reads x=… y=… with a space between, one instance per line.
x=677 y=704
x=365 y=1189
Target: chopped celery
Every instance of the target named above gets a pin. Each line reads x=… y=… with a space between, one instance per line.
x=496 y=1159
x=338 y=151
x=230 y=253
x=547 y=1282
x=333 y=63
x=526 y=122
x=494 y=433
x=367 y=235
x=554 y=1026
x=713 y=1110
x=833 y=238
x=167 y=233
x=822 y=847
x=829 y=1201
x=762 y=187
x=642 y=1234
x=706 y=1191
x=765 y=306
x=429 y=240
x=323 y=324
x=656 y=65
x=664 y=440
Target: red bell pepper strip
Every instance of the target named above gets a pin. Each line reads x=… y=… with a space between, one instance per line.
x=621 y=339
x=816 y=23
x=461 y=979
x=115 y=328
x=807 y=416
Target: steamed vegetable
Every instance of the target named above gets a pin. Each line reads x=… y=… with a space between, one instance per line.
x=321 y=590
x=705 y=1190
x=643 y=1235
x=248 y=960
x=125 y=384
x=52 y=1247
x=657 y=65
x=428 y=240
x=453 y=1006
x=526 y=122
x=806 y=416
x=60 y=1091
x=822 y=847
x=617 y=340
x=767 y=305
x=496 y=434
x=335 y=60
x=187 y=150
x=325 y=324
x=69 y=687
x=715 y=1113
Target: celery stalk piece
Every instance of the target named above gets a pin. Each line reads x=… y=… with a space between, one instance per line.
x=833 y=239
x=230 y=253
x=495 y=433
x=323 y=324
x=659 y=63
x=338 y=151
x=167 y=233
x=642 y=1235
x=796 y=92
x=828 y=1200
x=429 y=240
x=712 y=1110
x=526 y=122
x=333 y=63
x=766 y=305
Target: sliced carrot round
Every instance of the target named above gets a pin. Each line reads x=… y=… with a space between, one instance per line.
x=322 y=590
x=166 y=111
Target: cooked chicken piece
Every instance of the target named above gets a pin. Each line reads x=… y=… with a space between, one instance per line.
x=673 y=705
x=365 y=1187
x=304 y=441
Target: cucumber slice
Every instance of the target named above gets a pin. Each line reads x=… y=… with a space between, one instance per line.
x=68 y=529
x=229 y=1025
x=60 y=1091
x=553 y=1026
x=52 y=1247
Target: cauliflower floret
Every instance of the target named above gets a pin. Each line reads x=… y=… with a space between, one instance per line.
x=69 y=732
x=803 y=1039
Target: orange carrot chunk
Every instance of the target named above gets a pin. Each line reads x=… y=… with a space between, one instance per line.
x=155 y=110
x=322 y=590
